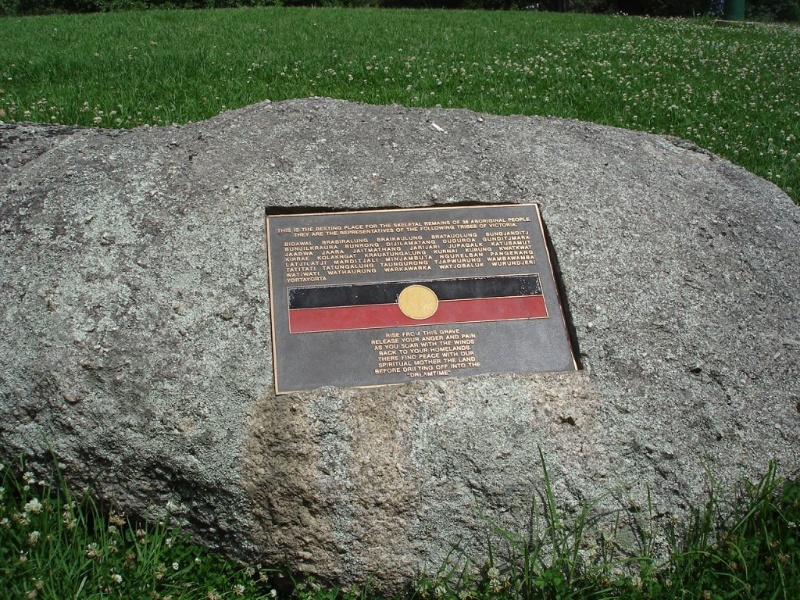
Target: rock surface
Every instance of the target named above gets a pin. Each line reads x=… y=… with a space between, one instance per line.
x=135 y=336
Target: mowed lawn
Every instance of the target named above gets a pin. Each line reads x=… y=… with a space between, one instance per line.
x=731 y=88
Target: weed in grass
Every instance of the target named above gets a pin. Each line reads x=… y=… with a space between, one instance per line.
x=748 y=549
x=744 y=549
x=733 y=90
x=557 y=556
x=54 y=545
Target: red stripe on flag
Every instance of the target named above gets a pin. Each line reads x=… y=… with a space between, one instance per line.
x=374 y=316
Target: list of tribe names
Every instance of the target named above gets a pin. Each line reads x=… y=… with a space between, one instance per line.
x=314 y=254
x=382 y=297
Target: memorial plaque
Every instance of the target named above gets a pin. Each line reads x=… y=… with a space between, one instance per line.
x=391 y=296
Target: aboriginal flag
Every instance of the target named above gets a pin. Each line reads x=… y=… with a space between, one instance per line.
x=396 y=304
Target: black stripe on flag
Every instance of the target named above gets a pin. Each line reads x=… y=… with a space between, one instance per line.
x=387 y=293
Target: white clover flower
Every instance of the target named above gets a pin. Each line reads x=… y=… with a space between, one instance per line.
x=33 y=537
x=273 y=593
x=92 y=551
x=34 y=506
x=175 y=566
x=238 y=589
x=28 y=477
x=493 y=573
x=116 y=578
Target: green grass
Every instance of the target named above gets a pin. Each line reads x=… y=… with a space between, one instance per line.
x=58 y=546
x=55 y=545
x=733 y=89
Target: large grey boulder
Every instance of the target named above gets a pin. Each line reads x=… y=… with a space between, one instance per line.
x=135 y=334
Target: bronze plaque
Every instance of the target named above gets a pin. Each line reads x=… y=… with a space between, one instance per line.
x=390 y=296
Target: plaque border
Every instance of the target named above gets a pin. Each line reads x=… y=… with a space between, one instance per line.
x=319 y=213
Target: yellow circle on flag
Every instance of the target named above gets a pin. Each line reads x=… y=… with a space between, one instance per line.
x=418 y=302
